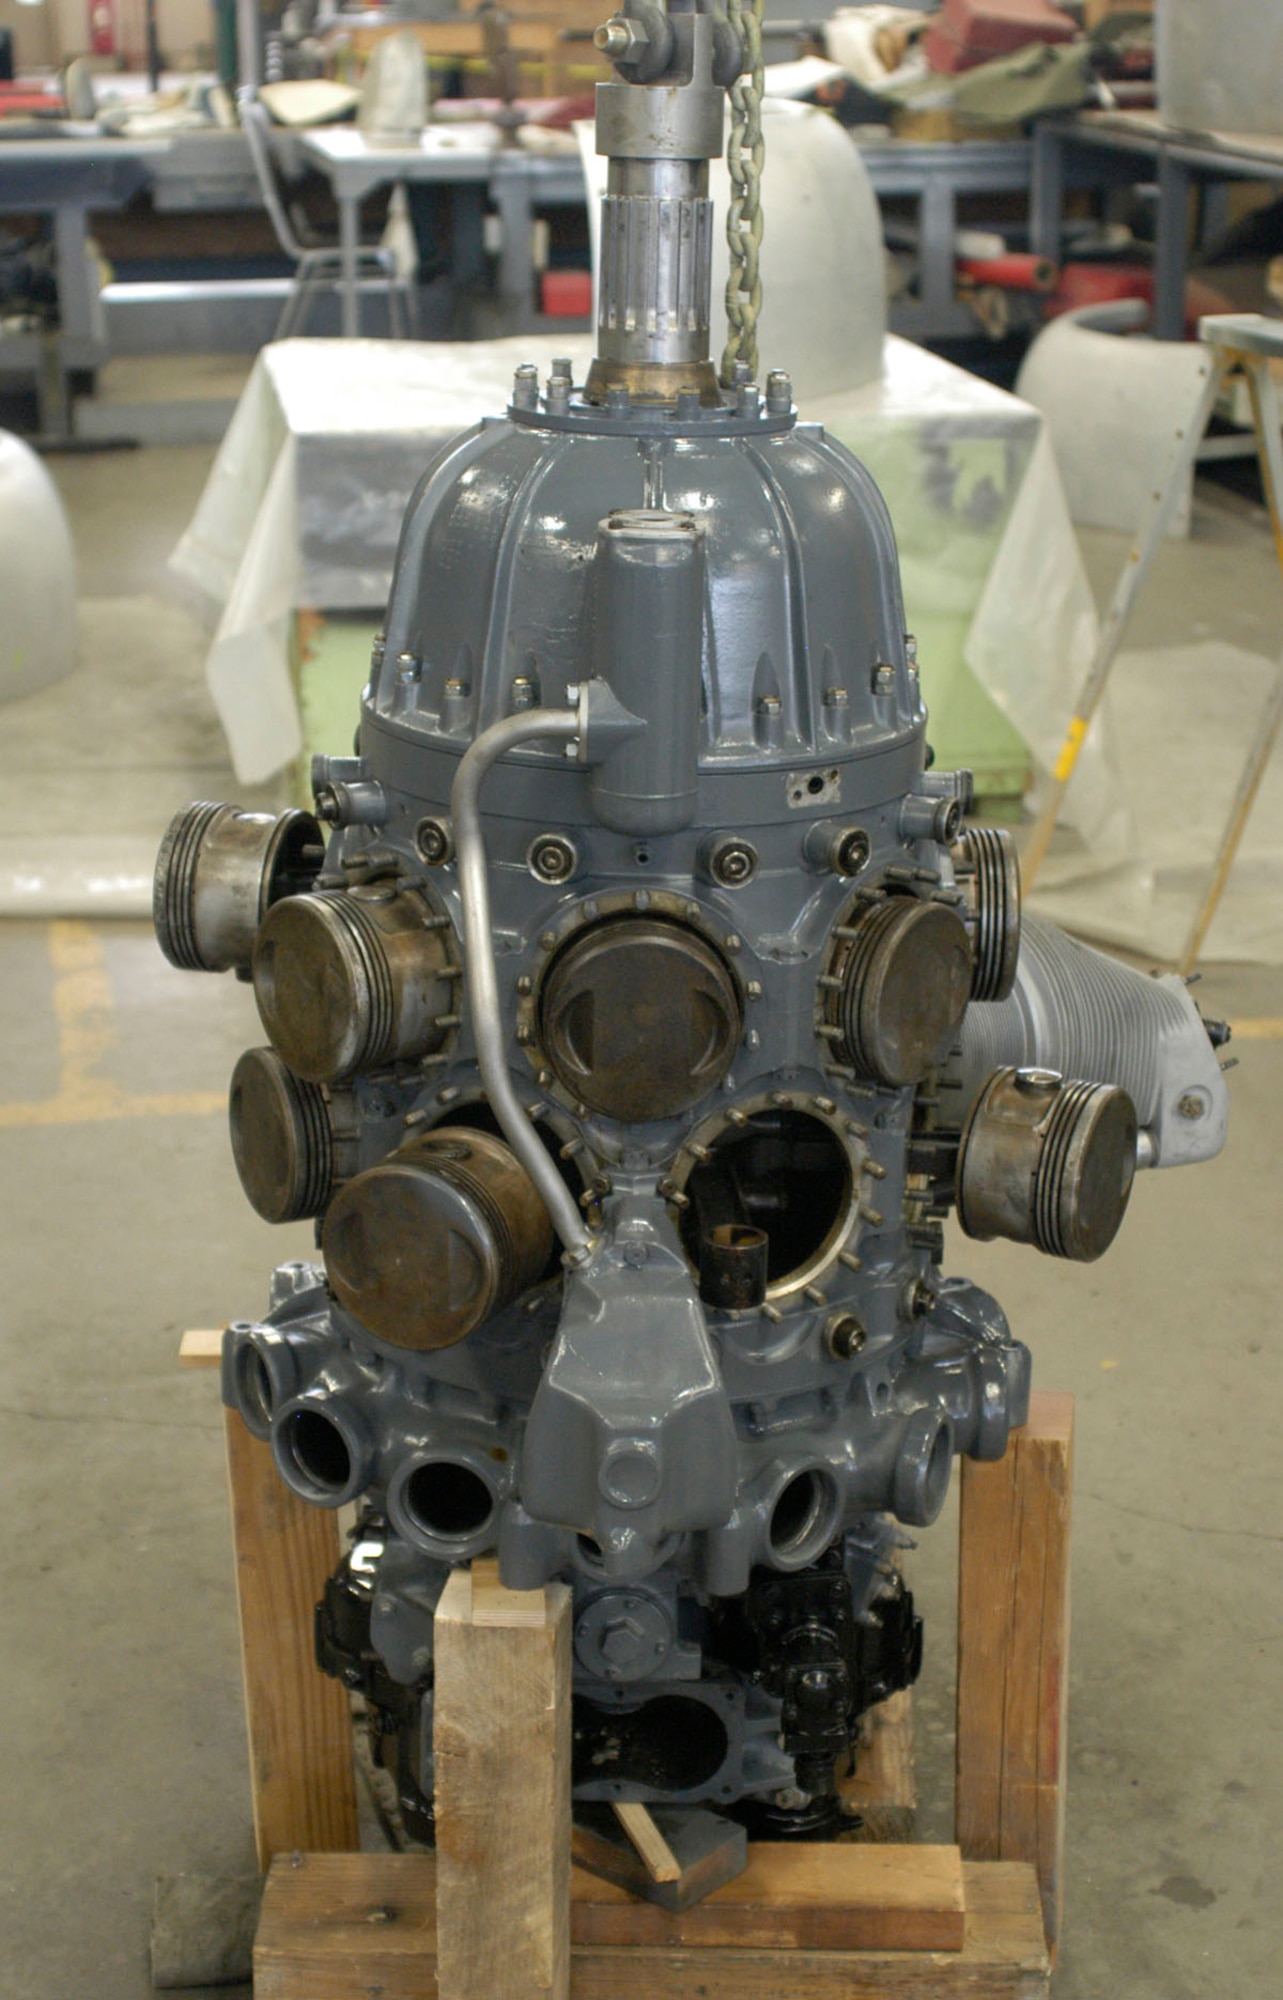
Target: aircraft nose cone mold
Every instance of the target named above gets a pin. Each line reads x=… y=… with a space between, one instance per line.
x=639 y=1003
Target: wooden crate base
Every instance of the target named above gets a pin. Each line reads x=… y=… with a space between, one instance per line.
x=349 y=1926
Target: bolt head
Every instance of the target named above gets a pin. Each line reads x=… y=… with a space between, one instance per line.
x=734 y=862
x=435 y=844
x=844 y=1336
x=621 y=1642
x=853 y=851
x=621 y=38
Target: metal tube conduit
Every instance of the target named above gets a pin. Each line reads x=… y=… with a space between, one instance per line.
x=559 y=725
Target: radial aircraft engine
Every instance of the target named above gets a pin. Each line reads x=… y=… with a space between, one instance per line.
x=638 y=1002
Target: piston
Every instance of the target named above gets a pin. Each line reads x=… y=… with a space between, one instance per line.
x=353 y=980
x=1047 y=1162
x=218 y=873
x=437 y=1238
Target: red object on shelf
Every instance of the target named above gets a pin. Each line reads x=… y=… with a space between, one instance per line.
x=30 y=100
x=102 y=27
x=970 y=32
x=1014 y=271
x=1088 y=284
x=566 y=294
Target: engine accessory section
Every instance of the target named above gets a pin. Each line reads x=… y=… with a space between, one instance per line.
x=640 y=1003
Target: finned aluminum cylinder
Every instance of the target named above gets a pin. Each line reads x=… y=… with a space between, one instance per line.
x=1047 y=1162
x=648 y=625
x=1075 y=1011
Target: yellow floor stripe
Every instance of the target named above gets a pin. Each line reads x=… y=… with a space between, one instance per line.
x=84 y=1010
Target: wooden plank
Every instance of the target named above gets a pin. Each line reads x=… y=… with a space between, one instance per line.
x=340 y=1926
x=346 y=1926
x=501 y=1735
x=1013 y=1651
x=881 y=1794
x=201 y=1347
x=660 y=1862
x=300 y=1727
x=819 y=1896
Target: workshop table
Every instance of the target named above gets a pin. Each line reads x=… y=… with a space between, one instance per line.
x=68 y=178
x=936 y=175
x=1105 y=149
x=460 y=155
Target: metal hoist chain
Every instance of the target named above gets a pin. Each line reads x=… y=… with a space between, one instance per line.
x=745 y=152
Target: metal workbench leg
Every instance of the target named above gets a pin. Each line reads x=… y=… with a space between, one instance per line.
x=81 y=321
x=349 y=236
x=1172 y=248
x=936 y=284
x=1047 y=193
x=79 y=312
x=467 y=233
x=511 y=192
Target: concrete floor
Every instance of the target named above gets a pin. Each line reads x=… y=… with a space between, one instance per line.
x=122 y=1753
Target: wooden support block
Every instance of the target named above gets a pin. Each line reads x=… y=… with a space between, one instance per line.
x=819 y=1897
x=493 y=1605
x=502 y=1747
x=201 y=1347
x=1013 y=1651
x=881 y=1794
x=339 y=1926
x=299 y=1722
